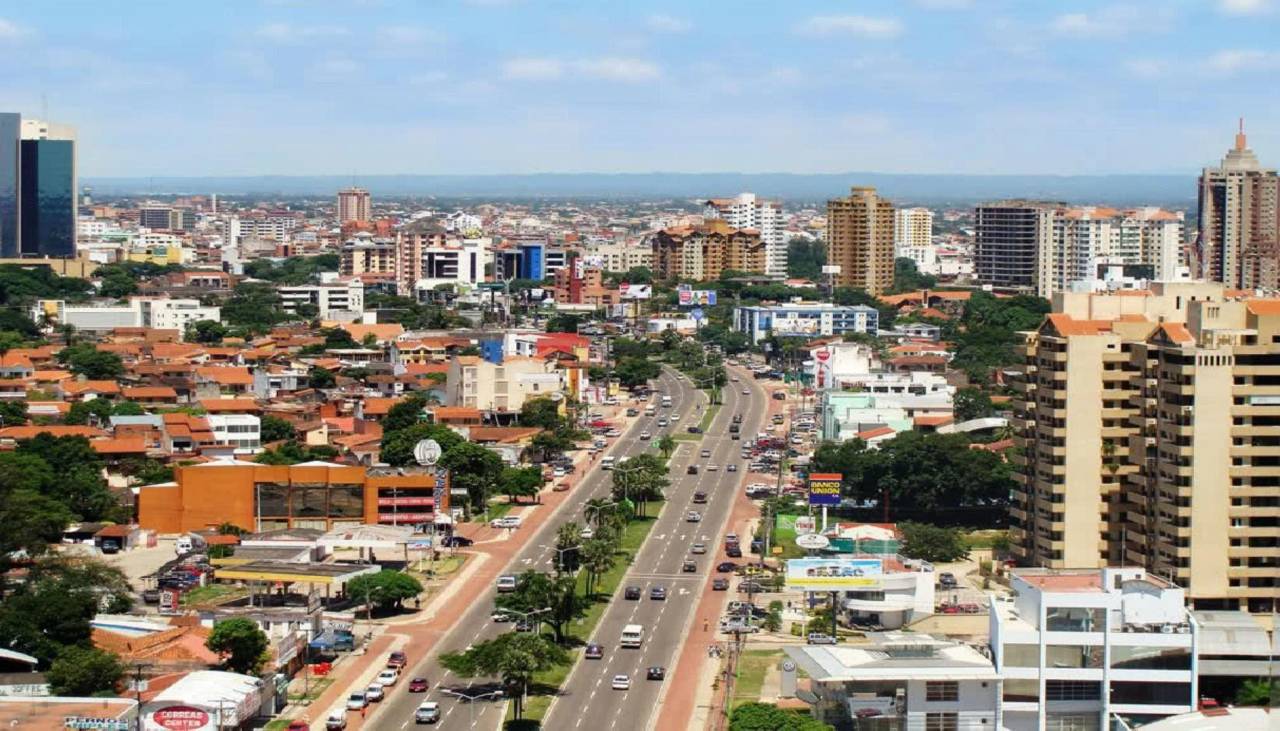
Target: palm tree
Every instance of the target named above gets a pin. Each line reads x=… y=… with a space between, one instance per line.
x=597 y=559
x=666 y=445
x=568 y=536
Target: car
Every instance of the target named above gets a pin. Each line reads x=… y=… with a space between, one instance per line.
x=820 y=638
x=357 y=701
x=719 y=585
x=706 y=453
x=735 y=436
x=593 y=652
x=525 y=625
x=694 y=430
x=151 y=596
x=613 y=433
x=631 y=593
x=698 y=548
x=753 y=587
x=693 y=516
x=621 y=682
x=662 y=421
x=428 y=712
x=388 y=677
x=587 y=534
x=456 y=541
x=700 y=498
x=747 y=392
x=731 y=467
x=726 y=567
x=658 y=593
x=419 y=685
x=947 y=580
x=335 y=722
x=110 y=546
x=733 y=626
x=508 y=523
x=397 y=660
x=691 y=469
x=712 y=467
x=657 y=672
x=374 y=693
x=733 y=551
x=633 y=412
x=506 y=584
x=645 y=436
x=298 y=725
x=689 y=567
x=675 y=418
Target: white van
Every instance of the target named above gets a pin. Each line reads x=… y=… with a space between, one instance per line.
x=607 y=463
x=632 y=635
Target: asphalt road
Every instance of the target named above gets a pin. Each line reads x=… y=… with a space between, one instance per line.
x=474 y=626
x=587 y=700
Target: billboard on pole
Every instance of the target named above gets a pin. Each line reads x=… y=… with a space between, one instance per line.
x=824 y=488
x=832 y=574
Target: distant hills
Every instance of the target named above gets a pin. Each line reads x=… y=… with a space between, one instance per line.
x=1168 y=190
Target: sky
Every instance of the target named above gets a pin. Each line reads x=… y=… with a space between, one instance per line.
x=363 y=87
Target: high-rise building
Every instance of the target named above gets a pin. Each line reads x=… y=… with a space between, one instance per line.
x=155 y=217
x=354 y=204
x=702 y=253
x=745 y=211
x=1239 y=243
x=1007 y=242
x=860 y=240
x=913 y=236
x=1148 y=424
x=38 y=202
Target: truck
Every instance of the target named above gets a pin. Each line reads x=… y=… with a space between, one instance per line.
x=632 y=635
x=188 y=543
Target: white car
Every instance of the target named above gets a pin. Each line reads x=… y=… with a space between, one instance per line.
x=506 y=584
x=613 y=433
x=428 y=712
x=508 y=522
x=621 y=682
x=712 y=467
x=675 y=418
x=645 y=436
x=746 y=392
x=388 y=677
x=698 y=548
x=587 y=534
x=374 y=693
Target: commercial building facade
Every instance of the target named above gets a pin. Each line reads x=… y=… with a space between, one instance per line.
x=804 y=319
x=860 y=240
x=160 y=313
x=38 y=203
x=330 y=299
x=913 y=237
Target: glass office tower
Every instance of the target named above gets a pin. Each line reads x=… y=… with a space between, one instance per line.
x=48 y=198
x=10 y=133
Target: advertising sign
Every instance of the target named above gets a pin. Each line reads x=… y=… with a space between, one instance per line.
x=824 y=488
x=795 y=325
x=168 y=601
x=698 y=297
x=832 y=574
x=812 y=541
x=805 y=524
x=635 y=291
x=180 y=718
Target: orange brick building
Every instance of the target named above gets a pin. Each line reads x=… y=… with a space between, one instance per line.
x=259 y=497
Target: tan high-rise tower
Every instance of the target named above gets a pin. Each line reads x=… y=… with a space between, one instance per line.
x=1239 y=242
x=354 y=204
x=860 y=240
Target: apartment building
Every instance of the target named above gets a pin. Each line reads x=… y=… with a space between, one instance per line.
x=745 y=211
x=913 y=237
x=579 y=285
x=1239 y=215
x=428 y=256
x=1077 y=648
x=241 y=432
x=1007 y=242
x=354 y=205
x=501 y=387
x=860 y=240
x=1148 y=424
x=159 y=313
x=702 y=253
x=621 y=257
x=364 y=254
x=328 y=300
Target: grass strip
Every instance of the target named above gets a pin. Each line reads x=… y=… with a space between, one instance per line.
x=752 y=667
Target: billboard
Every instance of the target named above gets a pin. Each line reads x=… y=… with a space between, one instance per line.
x=793 y=324
x=824 y=488
x=697 y=297
x=635 y=291
x=832 y=574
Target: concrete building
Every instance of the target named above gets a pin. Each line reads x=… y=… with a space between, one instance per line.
x=501 y=387
x=831 y=363
x=702 y=253
x=913 y=237
x=38 y=202
x=622 y=257
x=745 y=211
x=860 y=240
x=364 y=254
x=354 y=205
x=1075 y=648
x=1008 y=239
x=159 y=313
x=863 y=415
x=330 y=299
x=243 y=432
x=580 y=285
x=1147 y=424
x=901 y=681
x=1239 y=214
x=428 y=256
x=804 y=319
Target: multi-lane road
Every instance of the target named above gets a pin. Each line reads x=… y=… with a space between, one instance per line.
x=475 y=625
x=588 y=701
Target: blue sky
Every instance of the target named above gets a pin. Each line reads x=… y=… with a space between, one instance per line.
x=244 y=87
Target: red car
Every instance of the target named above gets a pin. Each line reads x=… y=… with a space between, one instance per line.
x=397 y=660
x=297 y=726
x=418 y=685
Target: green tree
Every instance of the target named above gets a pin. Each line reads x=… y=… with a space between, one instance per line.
x=536 y=591
x=597 y=558
x=13 y=413
x=550 y=443
x=1259 y=692
x=321 y=378
x=403 y=414
x=388 y=589
x=241 y=643
x=473 y=468
x=338 y=338
x=541 y=412
x=513 y=656
x=768 y=717
x=806 y=258
x=206 y=331
x=972 y=403
x=84 y=671
x=127 y=408
x=397 y=445
x=275 y=429
x=907 y=277
x=640 y=479
x=773 y=620
x=667 y=445
x=564 y=323
x=518 y=482
x=66 y=469
x=97 y=410
x=568 y=544
x=932 y=543
x=96 y=365
x=254 y=308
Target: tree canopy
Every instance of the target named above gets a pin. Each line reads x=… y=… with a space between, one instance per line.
x=84 y=671
x=241 y=643
x=512 y=656
x=96 y=365
x=806 y=258
x=473 y=468
x=768 y=717
x=387 y=589
x=932 y=543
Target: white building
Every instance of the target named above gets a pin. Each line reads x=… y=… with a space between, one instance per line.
x=832 y=364
x=896 y=405
x=241 y=431
x=622 y=257
x=913 y=237
x=746 y=211
x=159 y=313
x=804 y=319
x=1087 y=238
x=1076 y=647
x=901 y=681
x=462 y=222
x=459 y=262
x=204 y=700
x=330 y=298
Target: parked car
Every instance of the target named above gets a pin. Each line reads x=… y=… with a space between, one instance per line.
x=374 y=693
x=947 y=580
x=719 y=585
x=356 y=701
x=298 y=725
x=593 y=652
x=456 y=541
x=428 y=712
x=419 y=685
x=525 y=625
x=820 y=638
x=335 y=722
x=734 y=551
x=726 y=567
x=388 y=677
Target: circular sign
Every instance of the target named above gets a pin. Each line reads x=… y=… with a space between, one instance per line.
x=812 y=541
x=427 y=452
x=823 y=355
x=556 y=397
x=179 y=718
x=788 y=666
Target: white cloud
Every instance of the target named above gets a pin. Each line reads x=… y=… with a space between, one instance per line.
x=533 y=69
x=289 y=34
x=1245 y=7
x=1236 y=60
x=10 y=31
x=1146 y=68
x=629 y=70
x=1112 y=22
x=660 y=23
x=850 y=25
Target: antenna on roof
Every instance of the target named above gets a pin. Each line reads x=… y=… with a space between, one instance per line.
x=1240 y=139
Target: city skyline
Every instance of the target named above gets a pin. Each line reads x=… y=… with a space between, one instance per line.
x=510 y=87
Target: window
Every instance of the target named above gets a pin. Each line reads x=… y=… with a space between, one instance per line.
x=1133 y=692
x=1138 y=657
x=1021 y=690
x=1074 y=619
x=945 y=690
x=942 y=722
x=1073 y=656
x=1022 y=656
x=1072 y=690
x=273 y=499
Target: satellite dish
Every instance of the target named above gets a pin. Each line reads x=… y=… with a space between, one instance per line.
x=426 y=452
